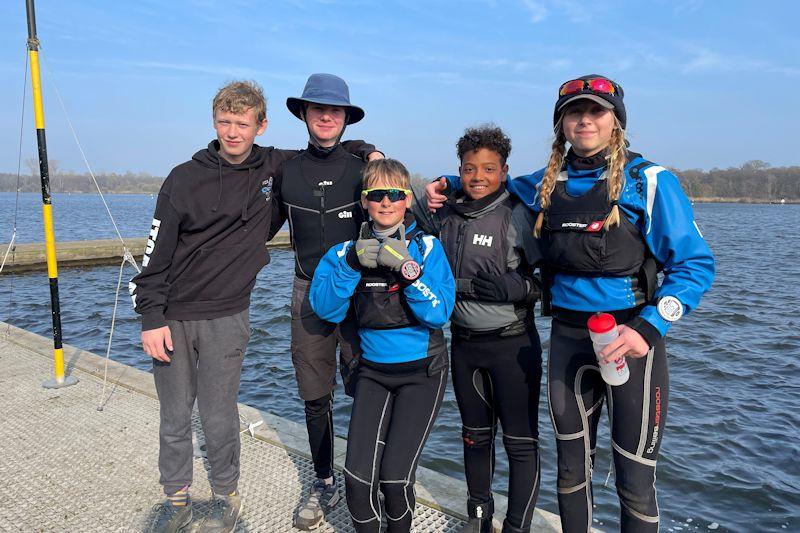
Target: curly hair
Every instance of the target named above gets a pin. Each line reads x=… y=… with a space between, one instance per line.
x=239 y=96
x=486 y=136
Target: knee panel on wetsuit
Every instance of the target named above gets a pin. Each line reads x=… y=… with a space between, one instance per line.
x=477 y=437
x=362 y=499
x=318 y=408
x=636 y=488
x=520 y=448
x=398 y=495
x=572 y=464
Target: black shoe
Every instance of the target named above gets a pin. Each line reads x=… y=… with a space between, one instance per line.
x=168 y=518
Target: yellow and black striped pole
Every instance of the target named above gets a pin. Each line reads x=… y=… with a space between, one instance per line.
x=59 y=378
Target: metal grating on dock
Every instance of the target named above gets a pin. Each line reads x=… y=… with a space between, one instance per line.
x=65 y=466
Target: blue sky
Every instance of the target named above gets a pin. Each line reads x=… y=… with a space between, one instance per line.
x=707 y=83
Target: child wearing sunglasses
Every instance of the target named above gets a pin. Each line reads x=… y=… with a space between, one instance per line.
x=608 y=221
x=496 y=359
x=400 y=286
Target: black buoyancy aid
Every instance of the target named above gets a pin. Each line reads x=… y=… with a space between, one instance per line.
x=474 y=244
x=323 y=210
x=576 y=242
x=379 y=301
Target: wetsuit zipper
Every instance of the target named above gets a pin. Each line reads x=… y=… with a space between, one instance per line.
x=462 y=230
x=322 y=219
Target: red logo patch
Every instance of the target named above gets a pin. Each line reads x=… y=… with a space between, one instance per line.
x=595 y=226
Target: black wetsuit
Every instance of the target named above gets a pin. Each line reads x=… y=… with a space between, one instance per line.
x=318 y=193
x=637 y=411
x=396 y=406
x=498 y=378
x=496 y=354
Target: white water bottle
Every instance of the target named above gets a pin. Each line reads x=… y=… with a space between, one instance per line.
x=602 y=331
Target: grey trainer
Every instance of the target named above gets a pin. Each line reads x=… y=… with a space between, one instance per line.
x=321 y=498
x=225 y=511
x=168 y=518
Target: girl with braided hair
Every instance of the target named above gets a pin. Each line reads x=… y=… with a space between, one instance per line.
x=608 y=221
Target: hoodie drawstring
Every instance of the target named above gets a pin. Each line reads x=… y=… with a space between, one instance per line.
x=219 y=193
x=247 y=193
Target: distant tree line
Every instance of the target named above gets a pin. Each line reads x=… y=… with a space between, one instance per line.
x=70 y=182
x=754 y=181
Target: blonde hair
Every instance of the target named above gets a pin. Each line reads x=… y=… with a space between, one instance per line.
x=239 y=96
x=387 y=171
x=615 y=173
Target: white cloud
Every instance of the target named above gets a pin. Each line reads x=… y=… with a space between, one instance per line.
x=537 y=10
x=705 y=60
x=578 y=11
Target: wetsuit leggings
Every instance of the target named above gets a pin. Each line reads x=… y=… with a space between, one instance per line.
x=314 y=343
x=393 y=413
x=499 y=378
x=637 y=412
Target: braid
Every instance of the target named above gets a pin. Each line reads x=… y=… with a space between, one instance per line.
x=550 y=176
x=615 y=173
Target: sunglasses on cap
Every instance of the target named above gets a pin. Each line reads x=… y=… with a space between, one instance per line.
x=597 y=85
x=394 y=195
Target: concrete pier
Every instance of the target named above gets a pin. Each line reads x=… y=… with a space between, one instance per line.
x=31 y=256
x=67 y=466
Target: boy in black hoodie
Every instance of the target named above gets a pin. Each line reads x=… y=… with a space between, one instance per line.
x=206 y=246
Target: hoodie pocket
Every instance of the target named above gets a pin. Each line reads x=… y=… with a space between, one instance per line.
x=221 y=273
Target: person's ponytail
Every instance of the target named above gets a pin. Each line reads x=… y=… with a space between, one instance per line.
x=551 y=174
x=615 y=173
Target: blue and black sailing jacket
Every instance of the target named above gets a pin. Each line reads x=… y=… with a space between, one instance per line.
x=430 y=299
x=653 y=202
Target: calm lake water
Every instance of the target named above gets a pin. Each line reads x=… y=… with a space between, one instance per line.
x=731 y=454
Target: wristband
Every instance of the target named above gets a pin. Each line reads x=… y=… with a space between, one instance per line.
x=670 y=308
x=410 y=270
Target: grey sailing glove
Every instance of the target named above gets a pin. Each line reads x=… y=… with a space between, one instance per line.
x=394 y=255
x=394 y=251
x=364 y=253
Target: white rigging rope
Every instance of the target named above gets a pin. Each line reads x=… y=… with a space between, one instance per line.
x=127 y=259
x=12 y=241
x=10 y=247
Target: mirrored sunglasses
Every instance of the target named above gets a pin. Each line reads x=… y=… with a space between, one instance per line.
x=394 y=195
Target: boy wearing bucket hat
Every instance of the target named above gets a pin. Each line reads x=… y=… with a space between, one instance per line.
x=319 y=195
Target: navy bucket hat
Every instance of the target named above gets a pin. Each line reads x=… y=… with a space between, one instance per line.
x=610 y=99
x=325 y=89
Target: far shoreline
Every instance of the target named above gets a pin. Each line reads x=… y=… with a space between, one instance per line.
x=697 y=199
x=718 y=200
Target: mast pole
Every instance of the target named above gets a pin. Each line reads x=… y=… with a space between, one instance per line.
x=59 y=378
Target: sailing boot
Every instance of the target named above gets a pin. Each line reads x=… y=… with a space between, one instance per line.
x=480 y=518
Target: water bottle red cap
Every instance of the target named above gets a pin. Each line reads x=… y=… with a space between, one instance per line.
x=601 y=323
